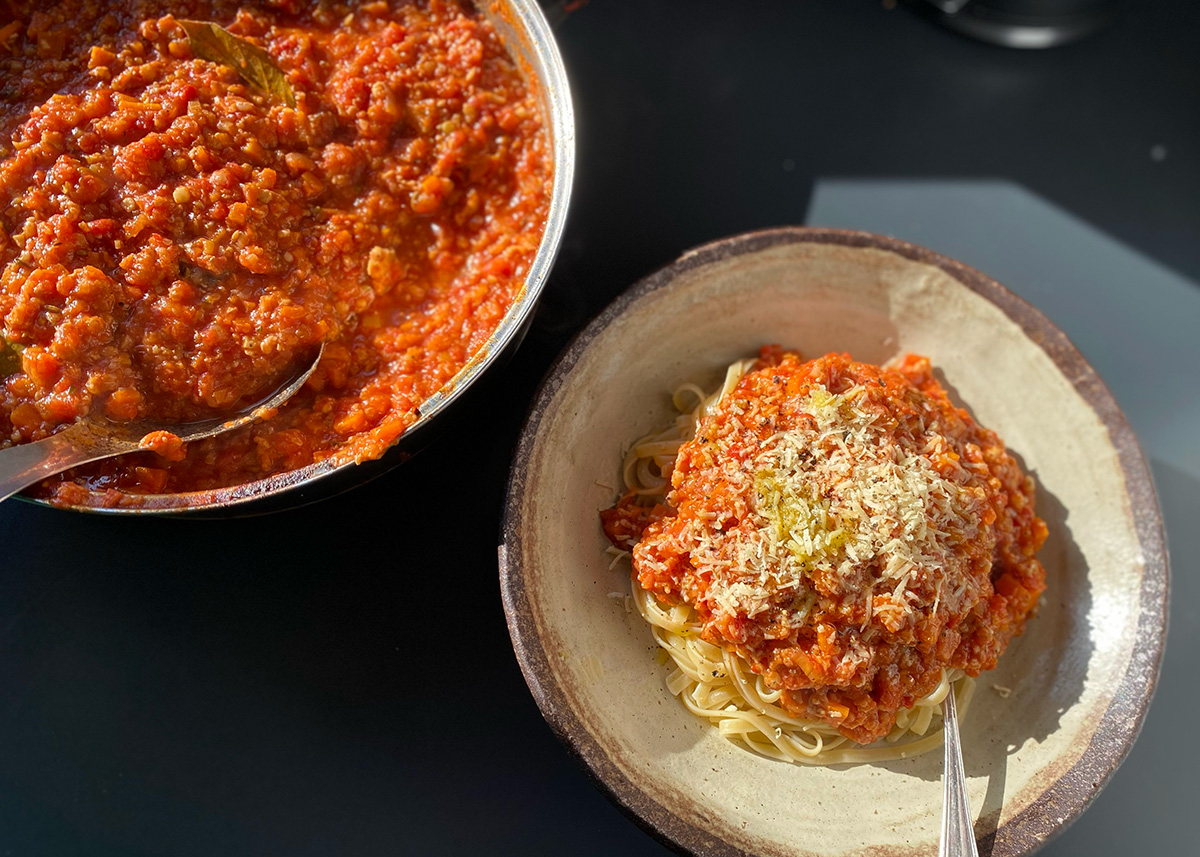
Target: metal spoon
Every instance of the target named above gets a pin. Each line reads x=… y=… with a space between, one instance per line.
x=86 y=440
x=958 y=836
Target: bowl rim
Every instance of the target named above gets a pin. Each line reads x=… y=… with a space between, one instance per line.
x=533 y=39
x=1070 y=794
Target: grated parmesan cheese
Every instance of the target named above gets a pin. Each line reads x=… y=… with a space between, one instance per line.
x=842 y=501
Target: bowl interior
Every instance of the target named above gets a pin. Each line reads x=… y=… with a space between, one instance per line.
x=591 y=663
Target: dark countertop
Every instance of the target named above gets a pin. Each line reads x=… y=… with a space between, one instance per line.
x=277 y=685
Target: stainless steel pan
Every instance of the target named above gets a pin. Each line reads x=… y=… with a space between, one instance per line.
x=524 y=28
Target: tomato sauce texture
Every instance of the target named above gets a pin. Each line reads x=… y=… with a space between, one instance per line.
x=180 y=241
x=860 y=631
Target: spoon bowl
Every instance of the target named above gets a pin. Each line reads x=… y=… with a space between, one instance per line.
x=89 y=440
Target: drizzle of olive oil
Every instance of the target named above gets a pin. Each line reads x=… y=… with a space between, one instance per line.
x=801 y=519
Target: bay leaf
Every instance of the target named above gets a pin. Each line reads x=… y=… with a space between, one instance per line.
x=10 y=358
x=216 y=44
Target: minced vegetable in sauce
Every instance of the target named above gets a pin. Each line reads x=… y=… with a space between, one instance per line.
x=178 y=240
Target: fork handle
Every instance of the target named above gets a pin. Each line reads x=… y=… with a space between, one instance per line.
x=958 y=837
x=29 y=463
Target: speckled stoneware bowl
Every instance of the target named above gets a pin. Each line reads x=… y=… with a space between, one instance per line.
x=1081 y=677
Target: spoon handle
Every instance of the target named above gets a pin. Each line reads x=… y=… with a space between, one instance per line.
x=958 y=836
x=28 y=463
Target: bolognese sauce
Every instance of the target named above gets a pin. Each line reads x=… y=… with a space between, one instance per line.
x=180 y=239
x=847 y=532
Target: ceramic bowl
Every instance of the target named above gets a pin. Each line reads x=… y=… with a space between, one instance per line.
x=1046 y=729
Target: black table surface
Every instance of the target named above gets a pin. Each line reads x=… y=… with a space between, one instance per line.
x=279 y=685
